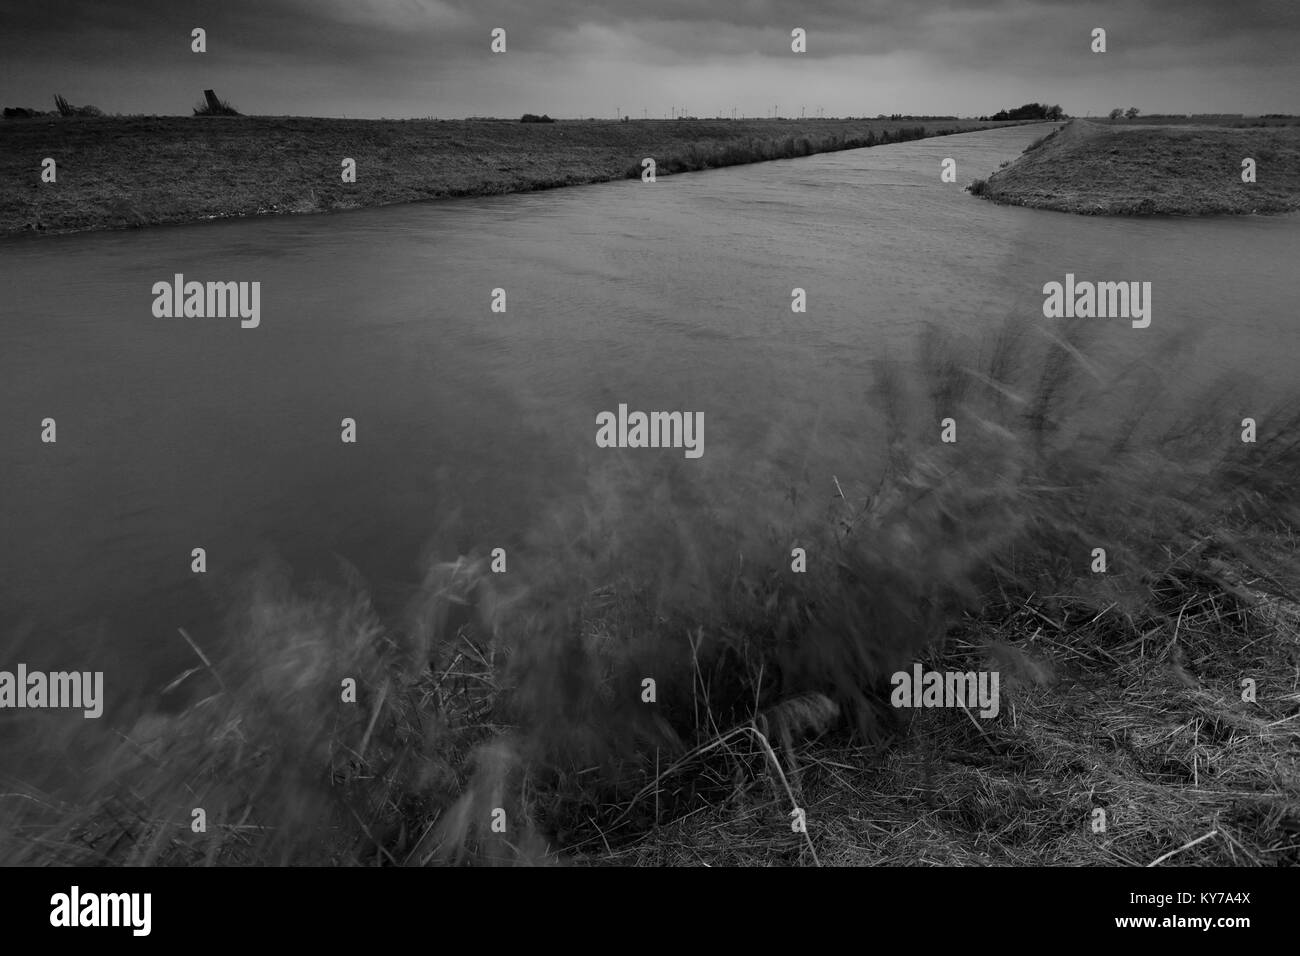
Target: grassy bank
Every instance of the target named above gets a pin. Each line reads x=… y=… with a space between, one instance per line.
x=1140 y=716
x=524 y=692
x=118 y=172
x=1159 y=169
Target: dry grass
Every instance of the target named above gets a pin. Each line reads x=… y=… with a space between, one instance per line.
x=130 y=171
x=1130 y=169
x=1099 y=712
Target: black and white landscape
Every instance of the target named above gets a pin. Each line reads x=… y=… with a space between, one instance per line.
x=783 y=434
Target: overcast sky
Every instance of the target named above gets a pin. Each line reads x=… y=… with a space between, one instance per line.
x=415 y=58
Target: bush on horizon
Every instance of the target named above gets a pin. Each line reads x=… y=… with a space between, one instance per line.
x=67 y=109
x=224 y=108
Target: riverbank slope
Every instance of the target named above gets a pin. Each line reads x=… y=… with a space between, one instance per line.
x=114 y=172
x=1096 y=169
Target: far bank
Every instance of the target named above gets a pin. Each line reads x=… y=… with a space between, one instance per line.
x=116 y=172
x=1128 y=169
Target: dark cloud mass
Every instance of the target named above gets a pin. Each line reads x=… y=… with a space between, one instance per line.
x=578 y=58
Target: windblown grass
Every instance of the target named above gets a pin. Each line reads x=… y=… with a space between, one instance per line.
x=523 y=692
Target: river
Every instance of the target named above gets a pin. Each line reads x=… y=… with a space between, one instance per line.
x=177 y=433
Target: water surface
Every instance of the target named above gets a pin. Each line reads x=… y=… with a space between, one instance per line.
x=179 y=433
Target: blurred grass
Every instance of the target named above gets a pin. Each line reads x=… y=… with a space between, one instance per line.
x=523 y=692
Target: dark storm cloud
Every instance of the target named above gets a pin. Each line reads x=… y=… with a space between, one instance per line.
x=979 y=30
x=309 y=53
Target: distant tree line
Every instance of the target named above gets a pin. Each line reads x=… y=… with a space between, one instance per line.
x=1131 y=113
x=534 y=118
x=1030 y=111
